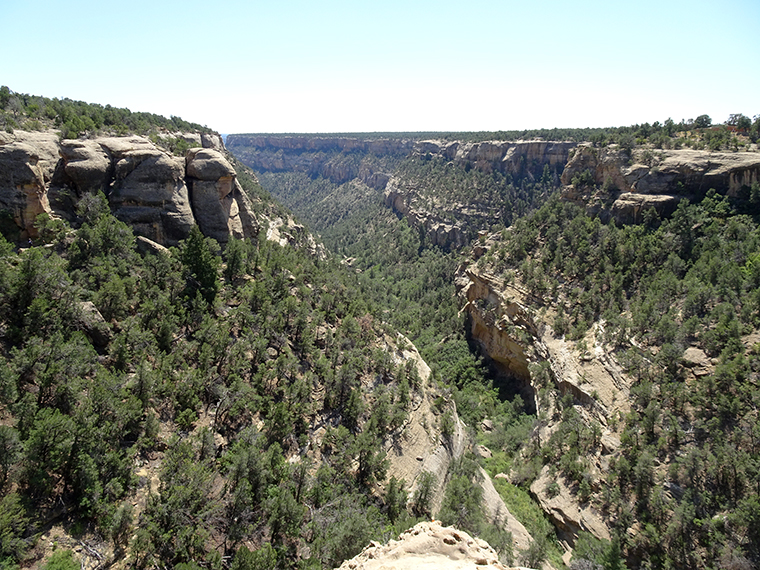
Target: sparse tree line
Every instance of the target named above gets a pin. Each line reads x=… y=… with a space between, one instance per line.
x=75 y=118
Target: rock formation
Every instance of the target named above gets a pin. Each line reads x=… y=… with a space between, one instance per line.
x=624 y=185
x=420 y=448
x=440 y=231
x=518 y=157
x=427 y=545
x=503 y=318
x=319 y=156
x=627 y=183
x=22 y=184
x=160 y=195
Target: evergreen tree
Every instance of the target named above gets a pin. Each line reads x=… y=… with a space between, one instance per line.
x=201 y=265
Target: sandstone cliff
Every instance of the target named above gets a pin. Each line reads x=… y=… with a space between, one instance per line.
x=513 y=329
x=312 y=154
x=338 y=159
x=621 y=184
x=375 y=162
x=160 y=195
x=627 y=183
x=514 y=158
x=421 y=448
x=439 y=230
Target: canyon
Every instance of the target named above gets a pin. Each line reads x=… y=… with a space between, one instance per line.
x=621 y=184
x=511 y=323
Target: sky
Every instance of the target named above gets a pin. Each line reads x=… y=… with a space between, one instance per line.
x=286 y=66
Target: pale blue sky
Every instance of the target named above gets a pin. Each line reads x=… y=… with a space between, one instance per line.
x=299 y=66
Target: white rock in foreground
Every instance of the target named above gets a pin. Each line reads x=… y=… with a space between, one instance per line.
x=427 y=545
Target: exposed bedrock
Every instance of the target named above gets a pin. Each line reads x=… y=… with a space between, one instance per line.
x=160 y=195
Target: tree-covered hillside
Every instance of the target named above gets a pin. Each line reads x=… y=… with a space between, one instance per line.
x=680 y=487
x=679 y=303
x=207 y=375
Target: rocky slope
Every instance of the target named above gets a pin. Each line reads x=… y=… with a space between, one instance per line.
x=311 y=154
x=513 y=329
x=421 y=448
x=319 y=156
x=160 y=195
x=620 y=183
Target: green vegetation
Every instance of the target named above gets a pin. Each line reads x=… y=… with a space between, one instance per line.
x=658 y=133
x=219 y=371
x=187 y=351
x=688 y=281
x=76 y=118
x=409 y=282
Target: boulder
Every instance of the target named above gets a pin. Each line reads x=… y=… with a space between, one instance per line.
x=86 y=165
x=567 y=513
x=211 y=179
x=145 y=245
x=45 y=144
x=92 y=323
x=22 y=186
x=148 y=191
x=208 y=164
x=212 y=140
x=630 y=207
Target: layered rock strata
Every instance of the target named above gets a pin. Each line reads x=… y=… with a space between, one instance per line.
x=627 y=184
x=515 y=158
x=521 y=344
x=160 y=195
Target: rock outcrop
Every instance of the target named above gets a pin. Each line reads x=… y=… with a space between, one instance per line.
x=160 y=195
x=503 y=320
x=421 y=449
x=439 y=231
x=427 y=545
x=518 y=339
x=501 y=324
x=626 y=184
x=516 y=158
x=568 y=515
x=214 y=192
x=328 y=157
x=374 y=162
x=22 y=185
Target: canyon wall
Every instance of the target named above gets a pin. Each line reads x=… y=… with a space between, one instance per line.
x=625 y=184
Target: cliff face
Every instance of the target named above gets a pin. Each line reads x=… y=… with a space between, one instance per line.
x=160 y=195
x=507 y=157
x=315 y=155
x=629 y=183
x=513 y=329
x=422 y=448
x=439 y=230
x=620 y=184
x=319 y=156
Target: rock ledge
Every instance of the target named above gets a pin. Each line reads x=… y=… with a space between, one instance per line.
x=427 y=545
